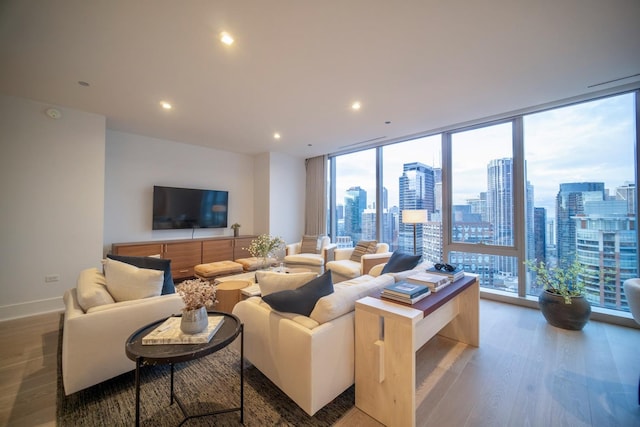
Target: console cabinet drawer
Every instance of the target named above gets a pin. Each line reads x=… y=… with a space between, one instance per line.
x=241 y=247
x=217 y=250
x=146 y=249
x=184 y=257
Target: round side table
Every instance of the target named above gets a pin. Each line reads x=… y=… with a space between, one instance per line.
x=170 y=354
x=228 y=294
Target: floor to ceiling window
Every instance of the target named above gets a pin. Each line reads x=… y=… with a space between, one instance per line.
x=551 y=185
x=581 y=172
x=482 y=203
x=412 y=179
x=355 y=194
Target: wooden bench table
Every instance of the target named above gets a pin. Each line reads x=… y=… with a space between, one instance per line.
x=388 y=335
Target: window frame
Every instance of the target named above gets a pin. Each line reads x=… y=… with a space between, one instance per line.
x=518 y=249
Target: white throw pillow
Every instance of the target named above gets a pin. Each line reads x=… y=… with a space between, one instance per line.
x=271 y=281
x=126 y=282
x=91 y=289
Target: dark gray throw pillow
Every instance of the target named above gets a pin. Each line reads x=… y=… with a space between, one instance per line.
x=301 y=300
x=401 y=262
x=152 y=264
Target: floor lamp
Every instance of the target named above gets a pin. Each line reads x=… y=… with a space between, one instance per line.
x=415 y=217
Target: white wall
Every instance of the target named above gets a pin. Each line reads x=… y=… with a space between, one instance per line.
x=286 y=196
x=70 y=189
x=52 y=187
x=135 y=163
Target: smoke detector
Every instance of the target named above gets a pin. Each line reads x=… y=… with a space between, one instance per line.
x=53 y=113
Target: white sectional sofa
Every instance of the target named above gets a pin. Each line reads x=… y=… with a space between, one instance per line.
x=310 y=358
x=96 y=328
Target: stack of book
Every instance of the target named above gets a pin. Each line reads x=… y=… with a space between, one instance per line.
x=409 y=293
x=169 y=332
x=435 y=282
x=454 y=275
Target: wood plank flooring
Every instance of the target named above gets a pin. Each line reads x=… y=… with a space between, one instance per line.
x=525 y=373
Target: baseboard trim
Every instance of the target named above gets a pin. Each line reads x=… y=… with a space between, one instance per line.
x=31 y=308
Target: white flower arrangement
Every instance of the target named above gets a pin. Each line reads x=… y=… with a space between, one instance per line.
x=264 y=246
x=197 y=293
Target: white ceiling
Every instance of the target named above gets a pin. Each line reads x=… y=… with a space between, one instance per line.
x=297 y=65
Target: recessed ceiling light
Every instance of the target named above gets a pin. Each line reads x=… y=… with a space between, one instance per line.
x=83 y=83
x=166 y=105
x=226 y=38
x=276 y=135
x=356 y=105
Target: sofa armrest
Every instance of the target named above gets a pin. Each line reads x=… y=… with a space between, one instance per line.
x=370 y=260
x=93 y=343
x=343 y=253
x=329 y=252
x=293 y=248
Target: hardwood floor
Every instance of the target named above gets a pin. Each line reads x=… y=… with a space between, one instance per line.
x=525 y=373
x=28 y=351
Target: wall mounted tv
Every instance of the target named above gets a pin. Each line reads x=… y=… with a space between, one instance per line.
x=177 y=208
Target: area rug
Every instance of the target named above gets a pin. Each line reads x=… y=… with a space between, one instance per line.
x=205 y=385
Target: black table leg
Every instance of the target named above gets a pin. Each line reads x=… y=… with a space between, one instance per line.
x=171 y=398
x=138 y=363
x=242 y=374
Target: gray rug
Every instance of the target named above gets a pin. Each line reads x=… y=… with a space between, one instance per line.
x=205 y=385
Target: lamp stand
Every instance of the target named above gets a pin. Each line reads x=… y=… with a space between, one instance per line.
x=414 y=239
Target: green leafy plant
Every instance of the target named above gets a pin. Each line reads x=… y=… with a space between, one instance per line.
x=564 y=280
x=265 y=245
x=235 y=226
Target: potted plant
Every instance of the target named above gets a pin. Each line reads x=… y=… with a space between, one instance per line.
x=236 y=229
x=197 y=294
x=562 y=300
x=264 y=246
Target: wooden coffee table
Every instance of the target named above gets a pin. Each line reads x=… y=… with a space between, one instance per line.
x=170 y=354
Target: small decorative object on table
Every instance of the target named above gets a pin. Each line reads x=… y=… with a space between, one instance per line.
x=236 y=229
x=197 y=294
x=264 y=246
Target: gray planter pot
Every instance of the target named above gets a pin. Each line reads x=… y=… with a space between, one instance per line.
x=566 y=316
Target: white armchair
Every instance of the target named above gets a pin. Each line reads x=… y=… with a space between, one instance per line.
x=344 y=268
x=312 y=253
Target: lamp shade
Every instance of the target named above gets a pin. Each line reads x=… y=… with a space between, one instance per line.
x=414 y=216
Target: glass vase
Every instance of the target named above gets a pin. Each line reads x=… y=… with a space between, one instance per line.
x=194 y=321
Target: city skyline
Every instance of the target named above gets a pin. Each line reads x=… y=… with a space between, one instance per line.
x=569 y=144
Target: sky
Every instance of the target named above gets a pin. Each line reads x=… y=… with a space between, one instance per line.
x=593 y=141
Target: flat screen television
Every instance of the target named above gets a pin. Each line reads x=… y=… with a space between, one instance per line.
x=178 y=208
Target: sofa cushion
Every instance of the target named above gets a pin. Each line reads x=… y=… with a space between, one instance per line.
x=345 y=268
x=91 y=289
x=309 y=245
x=304 y=259
x=303 y=299
x=272 y=281
x=127 y=282
x=400 y=262
x=345 y=294
x=254 y=263
x=153 y=263
x=362 y=248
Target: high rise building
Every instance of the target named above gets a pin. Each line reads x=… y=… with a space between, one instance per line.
x=606 y=246
x=570 y=203
x=627 y=193
x=416 y=192
x=355 y=202
x=500 y=210
x=539 y=235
